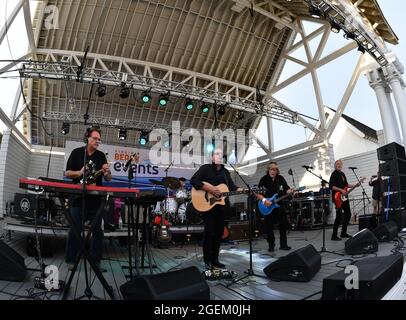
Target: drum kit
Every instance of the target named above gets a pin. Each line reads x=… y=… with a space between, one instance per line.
x=173 y=209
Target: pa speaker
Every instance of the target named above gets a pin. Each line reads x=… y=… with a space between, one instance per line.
x=300 y=265
x=12 y=267
x=185 y=284
x=361 y=243
x=395 y=183
x=391 y=151
x=399 y=217
x=386 y=231
x=394 y=200
x=393 y=167
x=376 y=276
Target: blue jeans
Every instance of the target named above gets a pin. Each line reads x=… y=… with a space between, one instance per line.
x=74 y=245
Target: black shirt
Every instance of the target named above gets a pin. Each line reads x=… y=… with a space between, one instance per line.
x=209 y=173
x=75 y=163
x=376 y=189
x=279 y=185
x=339 y=180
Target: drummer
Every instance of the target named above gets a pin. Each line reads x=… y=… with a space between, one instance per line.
x=181 y=192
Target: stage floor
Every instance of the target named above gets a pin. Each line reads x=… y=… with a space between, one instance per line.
x=234 y=255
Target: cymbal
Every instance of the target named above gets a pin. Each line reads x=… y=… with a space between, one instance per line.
x=171 y=182
x=153 y=181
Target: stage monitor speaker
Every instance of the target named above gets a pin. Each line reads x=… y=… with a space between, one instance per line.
x=386 y=231
x=361 y=243
x=393 y=167
x=377 y=276
x=391 y=151
x=12 y=266
x=300 y=265
x=184 y=284
x=367 y=221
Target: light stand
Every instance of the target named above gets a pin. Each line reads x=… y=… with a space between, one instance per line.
x=323 y=248
x=364 y=194
x=250 y=201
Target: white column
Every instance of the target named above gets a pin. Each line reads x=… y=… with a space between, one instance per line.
x=270 y=134
x=400 y=98
x=390 y=126
x=392 y=114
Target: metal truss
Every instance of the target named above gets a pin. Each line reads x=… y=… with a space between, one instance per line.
x=141 y=75
x=345 y=16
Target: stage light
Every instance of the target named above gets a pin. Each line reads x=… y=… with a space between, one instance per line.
x=65 y=128
x=335 y=27
x=349 y=35
x=204 y=107
x=315 y=12
x=361 y=48
x=163 y=100
x=122 y=134
x=144 y=138
x=124 y=92
x=189 y=105
x=210 y=147
x=101 y=90
x=239 y=115
x=145 y=97
x=221 y=110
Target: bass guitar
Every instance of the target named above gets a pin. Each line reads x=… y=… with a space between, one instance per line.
x=266 y=210
x=340 y=198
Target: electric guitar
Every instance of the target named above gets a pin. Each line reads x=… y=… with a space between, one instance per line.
x=266 y=210
x=203 y=201
x=340 y=198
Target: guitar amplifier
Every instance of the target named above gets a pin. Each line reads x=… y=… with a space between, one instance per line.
x=238 y=231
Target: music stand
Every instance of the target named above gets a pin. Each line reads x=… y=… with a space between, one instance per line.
x=250 y=206
x=323 y=248
x=364 y=194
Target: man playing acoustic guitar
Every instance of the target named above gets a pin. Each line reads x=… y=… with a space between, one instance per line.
x=338 y=184
x=207 y=178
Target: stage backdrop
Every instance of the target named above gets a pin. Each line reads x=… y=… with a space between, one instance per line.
x=144 y=171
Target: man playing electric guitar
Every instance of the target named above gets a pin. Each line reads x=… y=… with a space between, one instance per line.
x=207 y=178
x=275 y=183
x=338 y=184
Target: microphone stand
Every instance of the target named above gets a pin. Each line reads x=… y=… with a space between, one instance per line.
x=250 y=272
x=323 y=248
x=364 y=194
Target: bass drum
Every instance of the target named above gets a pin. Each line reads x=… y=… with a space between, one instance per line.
x=193 y=216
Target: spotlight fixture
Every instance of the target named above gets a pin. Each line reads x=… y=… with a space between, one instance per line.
x=239 y=115
x=361 y=48
x=204 y=108
x=122 y=134
x=124 y=92
x=349 y=35
x=221 y=110
x=163 y=100
x=210 y=147
x=145 y=97
x=335 y=27
x=144 y=138
x=101 y=90
x=189 y=105
x=315 y=12
x=65 y=128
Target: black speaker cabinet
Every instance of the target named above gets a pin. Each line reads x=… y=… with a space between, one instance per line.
x=395 y=183
x=393 y=167
x=361 y=243
x=399 y=217
x=377 y=276
x=12 y=266
x=367 y=221
x=185 y=284
x=300 y=265
x=391 y=151
x=394 y=200
x=386 y=231
x=45 y=246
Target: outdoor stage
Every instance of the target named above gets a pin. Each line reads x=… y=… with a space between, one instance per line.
x=235 y=256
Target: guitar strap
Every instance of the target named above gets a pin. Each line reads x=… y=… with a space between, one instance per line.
x=223 y=172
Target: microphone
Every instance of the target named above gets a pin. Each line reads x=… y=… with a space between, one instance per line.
x=129 y=162
x=352 y=168
x=307 y=167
